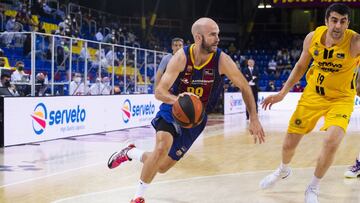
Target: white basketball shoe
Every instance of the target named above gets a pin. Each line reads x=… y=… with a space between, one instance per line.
x=270 y=180
x=311 y=194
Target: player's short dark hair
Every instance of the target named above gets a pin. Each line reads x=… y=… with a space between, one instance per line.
x=177 y=39
x=4 y=75
x=339 y=8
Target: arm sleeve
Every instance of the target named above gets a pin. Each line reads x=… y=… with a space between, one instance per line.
x=163 y=63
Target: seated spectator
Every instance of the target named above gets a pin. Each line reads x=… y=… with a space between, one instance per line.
x=272 y=66
x=19 y=75
x=271 y=86
x=2 y=53
x=5 y=82
x=99 y=36
x=298 y=88
x=76 y=86
x=96 y=88
x=41 y=84
x=106 y=89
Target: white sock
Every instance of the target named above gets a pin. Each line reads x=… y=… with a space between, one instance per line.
x=283 y=167
x=135 y=153
x=141 y=189
x=314 y=181
x=359 y=157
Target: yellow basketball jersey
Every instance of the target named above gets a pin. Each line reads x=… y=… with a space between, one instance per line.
x=333 y=71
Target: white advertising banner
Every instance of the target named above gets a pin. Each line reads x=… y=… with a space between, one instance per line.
x=34 y=119
x=288 y=103
x=233 y=103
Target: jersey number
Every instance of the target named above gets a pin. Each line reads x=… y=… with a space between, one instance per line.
x=198 y=91
x=320 y=90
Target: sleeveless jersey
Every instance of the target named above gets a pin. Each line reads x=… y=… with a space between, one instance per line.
x=204 y=81
x=332 y=74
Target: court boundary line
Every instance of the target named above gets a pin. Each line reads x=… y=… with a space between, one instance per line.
x=180 y=180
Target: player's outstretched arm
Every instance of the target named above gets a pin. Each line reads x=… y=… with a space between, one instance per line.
x=295 y=75
x=175 y=66
x=229 y=68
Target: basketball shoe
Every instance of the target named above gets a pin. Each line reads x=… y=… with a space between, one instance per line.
x=311 y=194
x=353 y=171
x=270 y=180
x=138 y=200
x=119 y=157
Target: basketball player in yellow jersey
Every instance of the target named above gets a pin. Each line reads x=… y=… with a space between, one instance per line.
x=330 y=93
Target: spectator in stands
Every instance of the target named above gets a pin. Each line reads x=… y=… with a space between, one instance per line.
x=19 y=75
x=298 y=88
x=106 y=90
x=84 y=53
x=110 y=56
x=5 y=80
x=41 y=84
x=76 y=86
x=10 y=24
x=271 y=86
x=272 y=66
x=251 y=74
x=100 y=60
x=99 y=36
x=96 y=88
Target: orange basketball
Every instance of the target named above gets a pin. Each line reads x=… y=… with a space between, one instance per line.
x=188 y=111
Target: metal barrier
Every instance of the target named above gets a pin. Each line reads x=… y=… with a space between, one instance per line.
x=58 y=58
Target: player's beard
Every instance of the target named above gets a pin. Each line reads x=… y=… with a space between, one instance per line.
x=205 y=46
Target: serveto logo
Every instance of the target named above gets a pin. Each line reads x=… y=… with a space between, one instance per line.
x=235 y=102
x=55 y=117
x=126 y=109
x=39 y=118
x=137 y=110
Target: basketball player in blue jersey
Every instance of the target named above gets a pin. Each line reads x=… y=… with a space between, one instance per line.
x=196 y=69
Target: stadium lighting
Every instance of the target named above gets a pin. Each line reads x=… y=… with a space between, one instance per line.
x=268 y=6
x=261 y=5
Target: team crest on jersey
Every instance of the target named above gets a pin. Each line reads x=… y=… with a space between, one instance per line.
x=209 y=72
x=179 y=152
x=185 y=80
x=298 y=121
x=316 y=52
x=340 y=55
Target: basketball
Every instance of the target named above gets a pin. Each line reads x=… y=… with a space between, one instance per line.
x=188 y=111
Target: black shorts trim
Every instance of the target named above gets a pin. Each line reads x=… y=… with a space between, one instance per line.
x=162 y=125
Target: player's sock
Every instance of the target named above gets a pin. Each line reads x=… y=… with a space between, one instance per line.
x=358 y=157
x=283 y=167
x=135 y=153
x=141 y=189
x=315 y=182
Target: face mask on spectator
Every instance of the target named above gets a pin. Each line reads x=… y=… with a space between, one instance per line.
x=77 y=79
x=20 y=68
x=7 y=83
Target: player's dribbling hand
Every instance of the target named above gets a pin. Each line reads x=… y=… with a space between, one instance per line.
x=272 y=99
x=257 y=131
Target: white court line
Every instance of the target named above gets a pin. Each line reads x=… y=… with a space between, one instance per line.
x=179 y=180
x=50 y=175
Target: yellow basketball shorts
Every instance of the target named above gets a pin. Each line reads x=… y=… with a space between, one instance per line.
x=307 y=115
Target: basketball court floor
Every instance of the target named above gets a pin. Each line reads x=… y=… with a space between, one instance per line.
x=222 y=166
